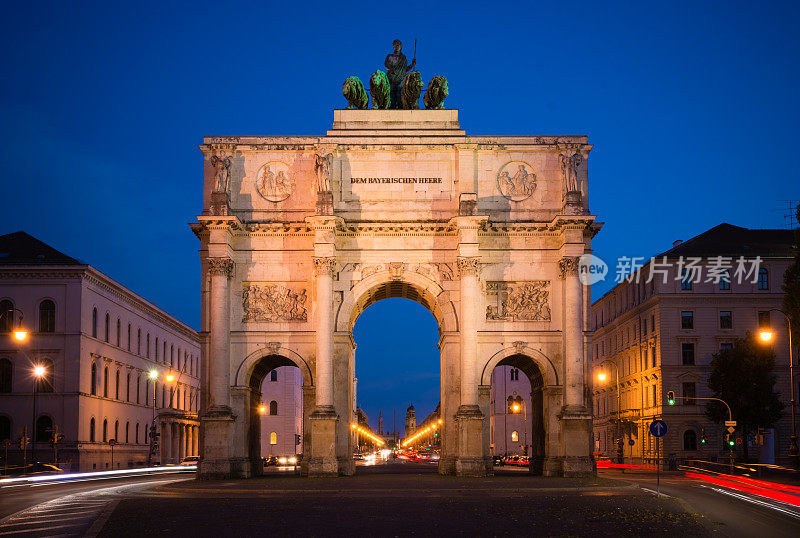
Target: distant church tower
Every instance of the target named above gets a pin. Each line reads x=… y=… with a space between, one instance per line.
x=380 y=422
x=411 y=421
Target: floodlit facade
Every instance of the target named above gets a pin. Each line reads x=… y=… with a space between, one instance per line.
x=661 y=335
x=97 y=341
x=282 y=418
x=509 y=420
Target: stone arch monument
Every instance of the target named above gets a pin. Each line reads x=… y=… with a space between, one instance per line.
x=308 y=231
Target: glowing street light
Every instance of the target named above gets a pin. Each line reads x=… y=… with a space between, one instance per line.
x=602 y=376
x=262 y=409
x=152 y=374
x=170 y=378
x=39 y=371
x=20 y=334
x=766 y=336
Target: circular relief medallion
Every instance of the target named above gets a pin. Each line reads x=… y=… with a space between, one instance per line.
x=274 y=182
x=516 y=181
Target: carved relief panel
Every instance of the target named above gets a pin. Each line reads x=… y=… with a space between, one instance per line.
x=518 y=301
x=274 y=302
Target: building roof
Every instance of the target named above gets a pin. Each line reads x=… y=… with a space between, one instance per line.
x=20 y=248
x=734 y=241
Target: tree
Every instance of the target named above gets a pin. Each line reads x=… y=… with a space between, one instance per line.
x=744 y=377
x=791 y=286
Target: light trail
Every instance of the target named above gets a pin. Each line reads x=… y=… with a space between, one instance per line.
x=41 y=480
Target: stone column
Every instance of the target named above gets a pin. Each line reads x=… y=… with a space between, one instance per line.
x=166 y=442
x=176 y=443
x=322 y=459
x=576 y=420
x=221 y=270
x=181 y=442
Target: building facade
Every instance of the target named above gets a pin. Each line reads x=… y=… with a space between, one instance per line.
x=660 y=334
x=510 y=398
x=282 y=419
x=97 y=342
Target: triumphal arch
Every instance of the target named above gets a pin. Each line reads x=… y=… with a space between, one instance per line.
x=299 y=234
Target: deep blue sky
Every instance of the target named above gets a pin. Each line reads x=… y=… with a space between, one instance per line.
x=692 y=108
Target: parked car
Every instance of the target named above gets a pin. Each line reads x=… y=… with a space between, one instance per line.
x=498 y=461
x=518 y=460
x=190 y=460
x=271 y=460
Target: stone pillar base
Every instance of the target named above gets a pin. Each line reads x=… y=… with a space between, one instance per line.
x=576 y=434
x=447 y=465
x=215 y=462
x=324 y=203
x=347 y=466
x=551 y=467
x=220 y=202
x=469 y=423
x=573 y=204
x=322 y=461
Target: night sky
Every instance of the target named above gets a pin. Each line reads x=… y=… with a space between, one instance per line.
x=692 y=108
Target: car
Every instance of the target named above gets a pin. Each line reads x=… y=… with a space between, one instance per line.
x=498 y=461
x=190 y=460
x=358 y=457
x=518 y=460
x=270 y=460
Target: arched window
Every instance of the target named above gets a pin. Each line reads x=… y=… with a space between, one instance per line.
x=157 y=350
x=7 y=319
x=46 y=382
x=44 y=428
x=6 y=373
x=137 y=433
x=91 y=430
x=47 y=316
x=128 y=387
x=129 y=336
x=514 y=436
x=725 y=280
x=165 y=352
x=139 y=342
x=689 y=440
x=94 y=322
x=273 y=407
x=147 y=349
x=163 y=396
x=127 y=432
x=273 y=438
x=273 y=375
x=116 y=386
x=105 y=430
x=106 y=327
x=5 y=428
x=138 y=387
x=171 y=364
x=116 y=430
x=763 y=279
x=94 y=379
x=119 y=331
x=171 y=353
x=105 y=382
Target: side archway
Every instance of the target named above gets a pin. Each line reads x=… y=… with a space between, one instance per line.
x=545 y=366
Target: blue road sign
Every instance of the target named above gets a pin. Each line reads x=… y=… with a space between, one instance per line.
x=658 y=428
x=631 y=442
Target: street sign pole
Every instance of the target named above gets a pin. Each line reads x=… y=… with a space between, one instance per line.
x=658 y=466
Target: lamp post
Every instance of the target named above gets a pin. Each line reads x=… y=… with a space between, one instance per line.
x=20 y=333
x=766 y=335
x=38 y=373
x=516 y=409
x=153 y=375
x=602 y=377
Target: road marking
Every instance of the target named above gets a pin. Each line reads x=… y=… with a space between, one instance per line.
x=739 y=496
x=657 y=493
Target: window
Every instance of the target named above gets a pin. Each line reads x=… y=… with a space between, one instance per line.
x=157 y=350
x=689 y=440
x=127 y=432
x=129 y=336
x=273 y=438
x=46 y=382
x=94 y=322
x=514 y=436
x=273 y=375
x=5 y=428
x=119 y=331
x=273 y=407
x=655 y=395
x=725 y=280
x=514 y=374
x=138 y=386
x=171 y=354
x=764 y=320
x=689 y=392
x=7 y=320
x=165 y=351
x=6 y=372
x=47 y=316
x=128 y=387
x=163 y=396
x=116 y=385
x=653 y=322
x=763 y=279
x=687 y=320
x=137 y=434
x=44 y=428
x=725 y=319
x=116 y=430
x=139 y=342
x=725 y=346
x=686 y=279
x=94 y=380
x=147 y=349
x=91 y=430
x=105 y=430
x=687 y=353
x=105 y=382
x=107 y=329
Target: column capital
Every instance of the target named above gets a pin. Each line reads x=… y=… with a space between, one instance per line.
x=324 y=266
x=468 y=265
x=568 y=265
x=220 y=266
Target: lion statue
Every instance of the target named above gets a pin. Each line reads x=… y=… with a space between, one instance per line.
x=411 y=90
x=437 y=90
x=380 y=89
x=353 y=90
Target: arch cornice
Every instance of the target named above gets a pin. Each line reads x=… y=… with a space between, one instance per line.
x=351 y=307
x=546 y=366
x=247 y=365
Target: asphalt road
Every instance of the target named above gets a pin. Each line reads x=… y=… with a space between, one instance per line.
x=723 y=513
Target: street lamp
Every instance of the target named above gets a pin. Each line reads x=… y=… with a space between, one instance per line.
x=516 y=409
x=20 y=333
x=602 y=377
x=766 y=335
x=38 y=373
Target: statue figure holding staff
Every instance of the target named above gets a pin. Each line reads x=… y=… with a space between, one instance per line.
x=396 y=68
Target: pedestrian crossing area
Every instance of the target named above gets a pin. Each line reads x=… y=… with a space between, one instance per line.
x=72 y=515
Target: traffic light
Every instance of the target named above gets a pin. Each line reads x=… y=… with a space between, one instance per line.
x=296 y=439
x=671 y=397
x=703 y=438
x=23 y=442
